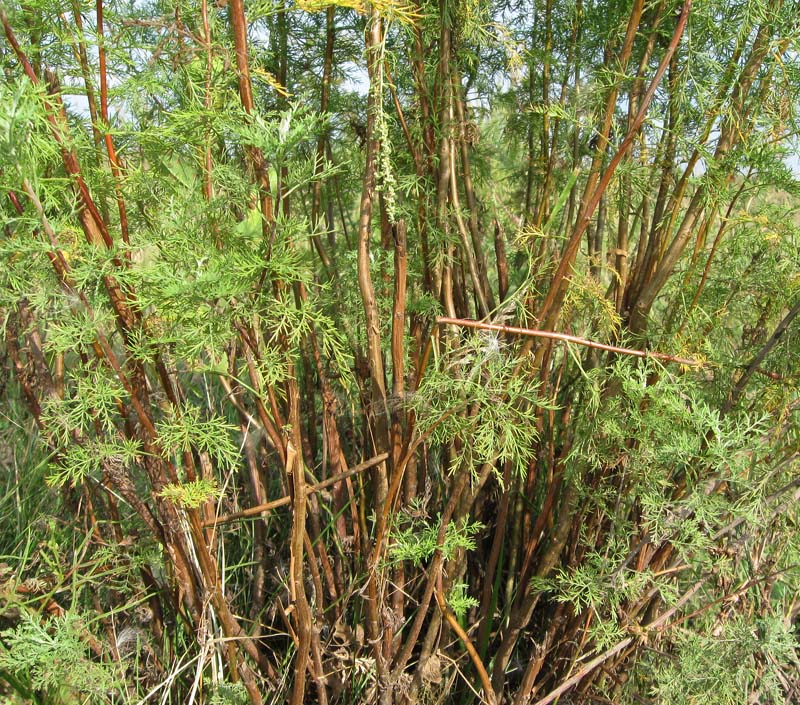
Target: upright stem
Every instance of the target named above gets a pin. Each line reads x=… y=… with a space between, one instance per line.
x=112 y=152
x=551 y=306
x=260 y=166
x=316 y=197
x=374 y=41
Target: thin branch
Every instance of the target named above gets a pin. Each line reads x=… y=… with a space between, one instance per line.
x=283 y=501
x=443 y=320
x=759 y=358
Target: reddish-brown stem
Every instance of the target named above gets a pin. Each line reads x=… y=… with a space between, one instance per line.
x=112 y=152
x=551 y=305
x=83 y=60
x=260 y=166
x=443 y=320
x=90 y=218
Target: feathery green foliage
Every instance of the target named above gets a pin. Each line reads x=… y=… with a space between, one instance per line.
x=242 y=458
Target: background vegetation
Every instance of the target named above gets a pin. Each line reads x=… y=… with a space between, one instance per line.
x=440 y=352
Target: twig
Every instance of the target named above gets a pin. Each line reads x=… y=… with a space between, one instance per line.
x=283 y=501
x=443 y=320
